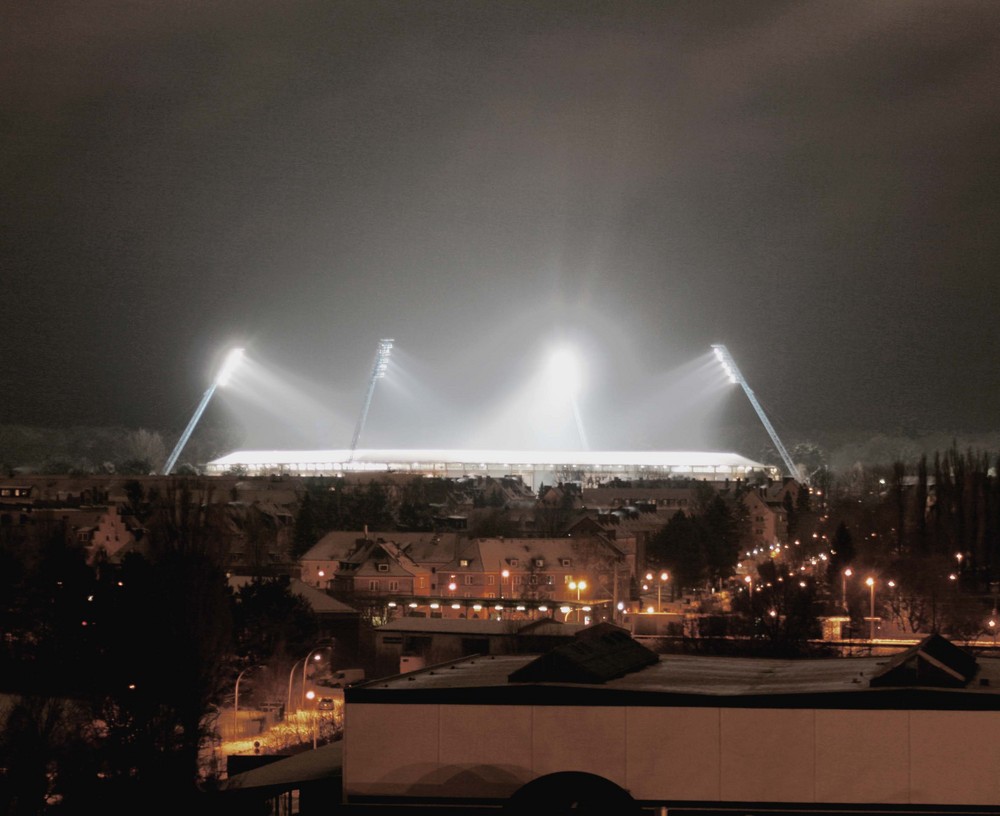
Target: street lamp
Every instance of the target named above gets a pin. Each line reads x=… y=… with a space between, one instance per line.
x=291 y=674
x=236 y=700
x=749 y=583
x=847 y=573
x=232 y=361
x=871 y=618
x=578 y=586
x=664 y=577
x=314 y=654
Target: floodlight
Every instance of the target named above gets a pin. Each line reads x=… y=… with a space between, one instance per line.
x=564 y=372
x=563 y=379
x=231 y=363
x=736 y=377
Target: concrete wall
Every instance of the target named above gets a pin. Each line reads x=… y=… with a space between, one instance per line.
x=707 y=754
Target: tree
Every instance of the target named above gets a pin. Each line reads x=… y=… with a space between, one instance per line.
x=781 y=611
x=270 y=621
x=414 y=508
x=722 y=540
x=164 y=647
x=842 y=549
x=45 y=755
x=679 y=547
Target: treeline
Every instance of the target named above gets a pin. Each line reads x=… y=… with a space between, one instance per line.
x=111 y=672
x=84 y=450
x=929 y=534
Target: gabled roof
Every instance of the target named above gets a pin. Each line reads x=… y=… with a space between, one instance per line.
x=334 y=546
x=597 y=654
x=934 y=661
x=321 y=603
x=367 y=559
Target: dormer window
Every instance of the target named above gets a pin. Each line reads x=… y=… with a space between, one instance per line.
x=513 y=562
x=383 y=567
x=539 y=562
x=566 y=562
x=463 y=562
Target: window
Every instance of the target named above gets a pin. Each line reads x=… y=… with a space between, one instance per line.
x=373 y=586
x=383 y=567
x=533 y=579
x=491 y=594
x=463 y=562
x=566 y=562
x=549 y=580
x=394 y=586
x=421 y=582
x=469 y=580
x=539 y=562
x=491 y=579
x=513 y=562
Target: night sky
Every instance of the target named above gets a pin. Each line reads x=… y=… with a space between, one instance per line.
x=815 y=184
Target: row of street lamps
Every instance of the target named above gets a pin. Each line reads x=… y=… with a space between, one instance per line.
x=313 y=655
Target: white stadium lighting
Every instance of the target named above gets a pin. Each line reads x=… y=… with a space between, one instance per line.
x=564 y=379
x=564 y=372
x=736 y=377
x=232 y=361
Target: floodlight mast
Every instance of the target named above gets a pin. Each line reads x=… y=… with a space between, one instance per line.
x=736 y=376
x=378 y=372
x=232 y=361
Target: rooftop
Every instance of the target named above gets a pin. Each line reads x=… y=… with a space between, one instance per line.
x=689 y=680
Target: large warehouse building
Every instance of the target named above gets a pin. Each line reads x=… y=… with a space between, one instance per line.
x=534 y=467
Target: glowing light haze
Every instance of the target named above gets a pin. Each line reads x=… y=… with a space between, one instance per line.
x=814 y=184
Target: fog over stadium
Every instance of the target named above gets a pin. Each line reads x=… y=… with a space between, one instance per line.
x=679 y=409
x=814 y=185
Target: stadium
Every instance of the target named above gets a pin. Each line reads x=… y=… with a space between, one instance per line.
x=534 y=467
x=590 y=468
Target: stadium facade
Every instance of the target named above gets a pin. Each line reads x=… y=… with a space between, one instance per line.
x=537 y=467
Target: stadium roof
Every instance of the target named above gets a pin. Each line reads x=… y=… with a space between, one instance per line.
x=526 y=463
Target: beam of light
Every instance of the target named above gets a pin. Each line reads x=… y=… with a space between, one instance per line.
x=233 y=359
x=675 y=409
x=275 y=407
